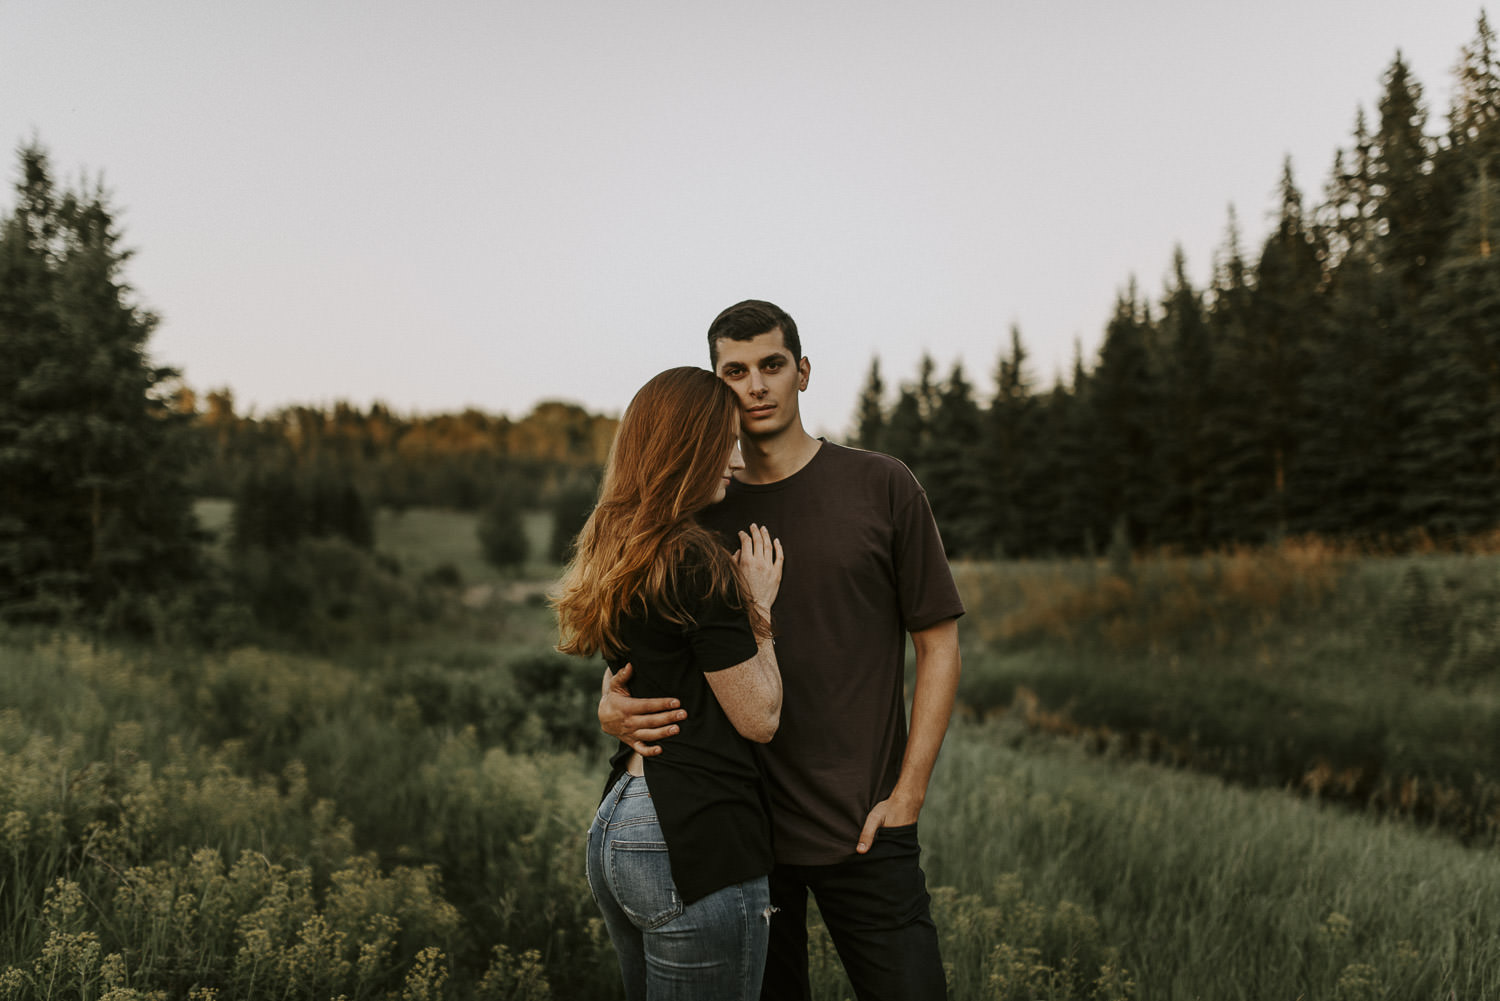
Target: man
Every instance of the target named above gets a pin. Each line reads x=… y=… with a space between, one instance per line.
x=864 y=567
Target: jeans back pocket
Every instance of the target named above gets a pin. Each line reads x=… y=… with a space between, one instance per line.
x=641 y=878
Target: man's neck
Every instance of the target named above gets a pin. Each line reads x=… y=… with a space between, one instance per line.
x=768 y=460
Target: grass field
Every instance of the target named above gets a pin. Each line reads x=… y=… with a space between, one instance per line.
x=405 y=820
x=1370 y=680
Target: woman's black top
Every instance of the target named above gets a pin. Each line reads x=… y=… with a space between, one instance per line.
x=705 y=783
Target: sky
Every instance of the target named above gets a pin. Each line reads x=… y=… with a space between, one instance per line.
x=450 y=204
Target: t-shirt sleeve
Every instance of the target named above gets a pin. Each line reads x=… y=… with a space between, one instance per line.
x=720 y=636
x=923 y=578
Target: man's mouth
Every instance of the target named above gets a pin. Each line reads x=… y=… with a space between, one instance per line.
x=765 y=408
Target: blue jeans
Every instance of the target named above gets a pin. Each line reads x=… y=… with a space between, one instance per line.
x=713 y=948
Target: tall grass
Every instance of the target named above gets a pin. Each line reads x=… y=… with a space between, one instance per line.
x=1371 y=680
x=1209 y=891
x=358 y=834
x=379 y=829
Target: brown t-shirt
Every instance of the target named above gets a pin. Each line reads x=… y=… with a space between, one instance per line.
x=864 y=566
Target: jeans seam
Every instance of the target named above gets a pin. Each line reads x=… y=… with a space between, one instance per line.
x=745 y=935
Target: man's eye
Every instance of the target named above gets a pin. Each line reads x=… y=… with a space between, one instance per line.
x=773 y=365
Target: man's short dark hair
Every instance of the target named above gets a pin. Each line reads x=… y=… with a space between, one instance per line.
x=746 y=321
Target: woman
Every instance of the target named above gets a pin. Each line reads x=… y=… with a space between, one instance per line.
x=680 y=847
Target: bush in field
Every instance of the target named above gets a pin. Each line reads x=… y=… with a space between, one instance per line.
x=119 y=896
x=325 y=593
x=269 y=512
x=1449 y=625
x=222 y=870
x=339 y=509
x=502 y=535
x=570 y=510
x=559 y=696
x=539 y=702
x=275 y=508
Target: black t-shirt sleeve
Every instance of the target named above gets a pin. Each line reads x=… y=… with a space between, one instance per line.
x=924 y=579
x=720 y=636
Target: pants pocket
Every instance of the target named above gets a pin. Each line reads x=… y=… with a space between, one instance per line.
x=641 y=878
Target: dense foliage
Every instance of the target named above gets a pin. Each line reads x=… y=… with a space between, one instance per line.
x=1342 y=380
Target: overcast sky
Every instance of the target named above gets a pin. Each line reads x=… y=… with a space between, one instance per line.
x=489 y=204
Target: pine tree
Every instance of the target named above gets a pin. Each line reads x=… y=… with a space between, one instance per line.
x=954 y=480
x=1347 y=469
x=1348 y=464
x=1182 y=440
x=1475 y=112
x=96 y=517
x=1237 y=479
x=1121 y=421
x=869 y=415
x=908 y=431
x=1063 y=482
x=1410 y=227
x=1286 y=323
x=1472 y=143
x=1010 y=430
x=1452 y=453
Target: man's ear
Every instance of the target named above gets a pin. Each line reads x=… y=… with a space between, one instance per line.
x=804 y=369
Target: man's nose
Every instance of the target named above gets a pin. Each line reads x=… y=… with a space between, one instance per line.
x=757 y=384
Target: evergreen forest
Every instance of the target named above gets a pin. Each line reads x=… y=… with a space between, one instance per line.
x=1341 y=379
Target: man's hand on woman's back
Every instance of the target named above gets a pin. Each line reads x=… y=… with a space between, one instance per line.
x=635 y=721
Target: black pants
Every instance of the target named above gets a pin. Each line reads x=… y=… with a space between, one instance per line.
x=878 y=914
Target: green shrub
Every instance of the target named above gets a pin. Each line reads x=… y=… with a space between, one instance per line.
x=502 y=535
x=570 y=509
x=328 y=594
x=277 y=507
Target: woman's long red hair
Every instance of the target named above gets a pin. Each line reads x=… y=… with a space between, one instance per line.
x=668 y=455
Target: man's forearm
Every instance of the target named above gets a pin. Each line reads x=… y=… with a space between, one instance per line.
x=939 y=666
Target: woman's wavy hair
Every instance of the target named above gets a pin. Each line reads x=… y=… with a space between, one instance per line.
x=669 y=452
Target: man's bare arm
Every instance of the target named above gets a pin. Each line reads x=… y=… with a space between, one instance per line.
x=635 y=721
x=938 y=668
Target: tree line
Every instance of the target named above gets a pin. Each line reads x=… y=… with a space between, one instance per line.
x=1342 y=379
x=314 y=471
x=457 y=461
x=102 y=455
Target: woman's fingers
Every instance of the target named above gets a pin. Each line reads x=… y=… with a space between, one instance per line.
x=756 y=543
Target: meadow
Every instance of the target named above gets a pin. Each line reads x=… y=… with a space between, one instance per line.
x=1254 y=775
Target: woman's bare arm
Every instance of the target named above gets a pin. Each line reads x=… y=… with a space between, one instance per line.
x=750 y=693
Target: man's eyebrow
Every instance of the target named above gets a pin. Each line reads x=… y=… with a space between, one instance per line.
x=774 y=356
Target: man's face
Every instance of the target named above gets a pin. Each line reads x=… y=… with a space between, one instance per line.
x=765 y=378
